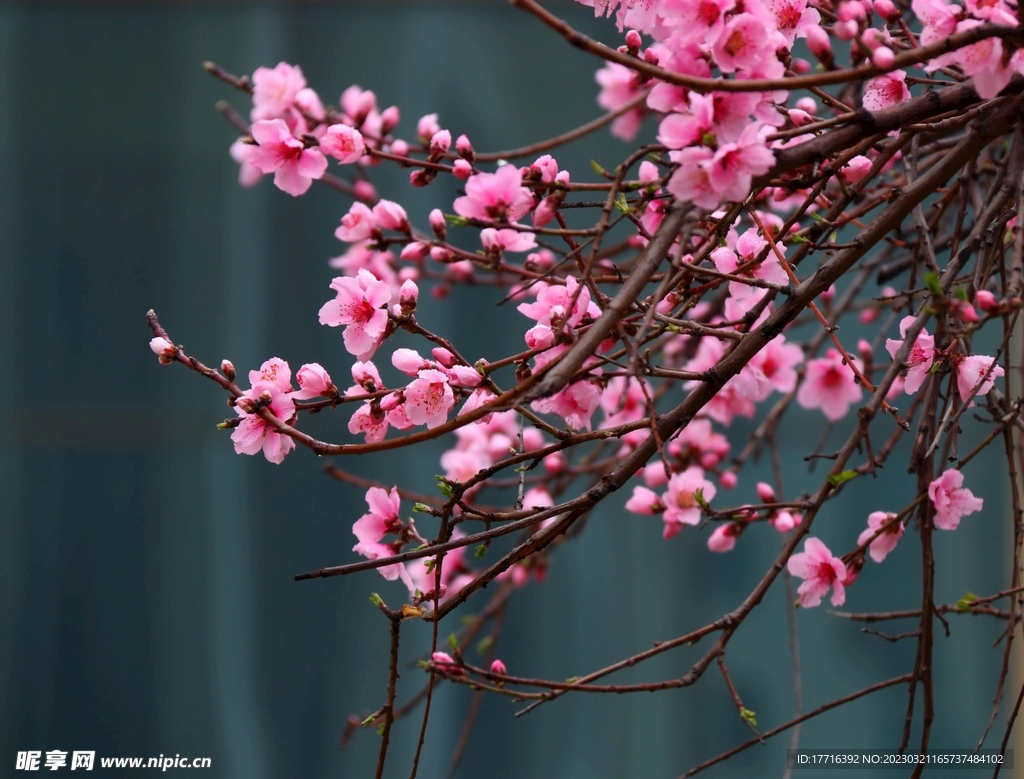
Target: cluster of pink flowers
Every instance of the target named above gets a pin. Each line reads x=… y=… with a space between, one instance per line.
x=717 y=143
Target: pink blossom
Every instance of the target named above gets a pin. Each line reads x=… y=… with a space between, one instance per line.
x=383 y=517
x=985 y=61
x=248 y=174
x=777 y=360
x=886 y=540
x=293 y=165
x=938 y=17
x=784 y=521
x=820 y=570
x=314 y=382
x=270 y=386
x=975 y=371
x=275 y=91
x=743 y=43
x=952 y=500
x=391 y=216
x=507 y=239
x=427 y=126
x=765 y=492
x=723 y=538
x=498 y=667
x=644 y=501
x=357 y=225
x=692 y=179
x=575 y=404
x=373 y=425
x=376 y=551
x=344 y=143
x=886 y=90
x=829 y=385
x=553 y=301
x=428 y=399
x=856 y=169
x=728 y=479
x=793 y=18
x=920 y=358
x=681 y=505
x=734 y=165
x=499 y=196
x=745 y=250
x=618 y=86
x=361 y=306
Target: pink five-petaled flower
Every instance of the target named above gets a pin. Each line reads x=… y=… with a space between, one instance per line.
x=344 y=143
x=275 y=90
x=507 y=239
x=830 y=385
x=429 y=398
x=952 y=500
x=382 y=517
x=885 y=90
x=920 y=357
x=360 y=305
x=970 y=371
x=819 y=570
x=270 y=385
x=886 y=540
x=499 y=196
x=293 y=165
x=682 y=506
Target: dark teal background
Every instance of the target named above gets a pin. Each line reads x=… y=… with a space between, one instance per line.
x=147 y=604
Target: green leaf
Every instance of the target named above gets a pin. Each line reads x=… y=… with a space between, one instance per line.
x=453 y=642
x=596 y=166
x=380 y=730
x=817 y=217
x=698 y=496
x=420 y=508
x=621 y=204
x=444 y=486
x=483 y=645
x=455 y=220
x=966 y=603
x=799 y=238
x=368 y=720
x=843 y=476
x=375 y=599
x=572 y=680
x=480 y=550
x=961 y=294
x=931 y=281
x=429 y=564
x=749 y=717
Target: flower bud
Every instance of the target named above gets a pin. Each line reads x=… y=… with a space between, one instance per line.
x=407 y=296
x=440 y=254
x=651 y=57
x=765 y=492
x=986 y=300
x=883 y=57
x=427 y=126
x=808 y=104
x=554 y=463
x=440 y=143
x=163 y=349
x=400 y=147
x=416 y=250
x=819 y=44
x=723 y=538
x=728 y=479
x=364 y=191
x=465 y=148
x=228 y=369
x=887 y=10
x=389 y=119
x=846 y=31
x=801 y=66
x=391 y=216
x=634 y=42
x=498 y=667
x=438 y=224
x=462 y=169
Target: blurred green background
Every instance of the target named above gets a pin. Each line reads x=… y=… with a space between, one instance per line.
x=147 y=604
